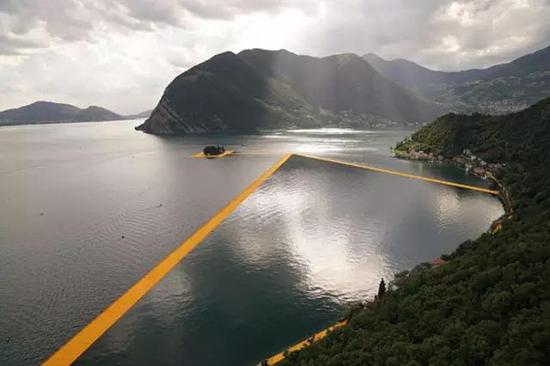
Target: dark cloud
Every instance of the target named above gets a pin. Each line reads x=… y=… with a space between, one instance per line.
x=66 y=20
x=140 y=45
x=167 y=12
x=477 y=32
x=10 y=45
x=443 y=34
x=230 y=8
x=71 y=20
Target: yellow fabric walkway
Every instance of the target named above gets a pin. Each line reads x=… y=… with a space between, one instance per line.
x=306 y=342
x=80 y=342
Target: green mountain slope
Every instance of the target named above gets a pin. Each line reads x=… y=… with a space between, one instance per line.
x=498 y=89
x=489 y=304
x=278 y=89
x=44 y=112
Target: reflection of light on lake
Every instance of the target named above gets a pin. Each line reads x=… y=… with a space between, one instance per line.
x=447 y=205
x=311 y=234
x=331 y=131
x=318 y=143
x=318 y=148
x=334 y=256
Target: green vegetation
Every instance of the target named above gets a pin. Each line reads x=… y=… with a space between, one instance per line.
x=259 y=89
x=381 y=288
x=497 y=89
x=489 y=304
x=44 y=112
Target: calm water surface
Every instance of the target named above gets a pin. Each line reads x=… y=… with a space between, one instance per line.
x=87 y=209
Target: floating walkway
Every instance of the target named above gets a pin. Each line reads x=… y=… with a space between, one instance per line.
x=86 y=337
x=401 y=174
x=305 y=343
x=201 y=155
x=77 y=345
x=266 y=152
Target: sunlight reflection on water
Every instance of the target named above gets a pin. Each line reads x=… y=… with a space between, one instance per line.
x=284 y=264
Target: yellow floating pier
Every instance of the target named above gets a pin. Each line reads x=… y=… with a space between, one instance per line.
x=355 y=165
x=80 y=342
x=77 y=345
x=401 y=174
x=259 y=152
x=201 y=155
x=306 y=342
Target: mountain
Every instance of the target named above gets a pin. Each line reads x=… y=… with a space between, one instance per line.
x=260 y=89
x=489 y=303
x=497 y=89
x=406 y=72
x=47 y=112
x=144 y=114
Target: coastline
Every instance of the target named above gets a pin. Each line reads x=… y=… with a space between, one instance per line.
x=495 y=226
x=473 y=166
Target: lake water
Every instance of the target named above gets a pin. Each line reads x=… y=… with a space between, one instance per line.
x=87 y=209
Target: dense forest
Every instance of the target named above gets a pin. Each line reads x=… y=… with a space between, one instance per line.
x=489 y=304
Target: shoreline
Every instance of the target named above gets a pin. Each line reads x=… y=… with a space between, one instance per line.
x=473 y=166
x=495 y=226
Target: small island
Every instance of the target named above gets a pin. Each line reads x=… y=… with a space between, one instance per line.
x=212 y=151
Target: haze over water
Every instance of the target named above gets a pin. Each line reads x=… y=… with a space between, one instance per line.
x=87 y=209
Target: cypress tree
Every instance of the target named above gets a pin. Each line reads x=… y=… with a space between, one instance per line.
x=381 y=288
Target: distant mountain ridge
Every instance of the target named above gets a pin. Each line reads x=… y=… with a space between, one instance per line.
x=144 y=114
x=502 y=88
x=50 y=112
x=260 y=89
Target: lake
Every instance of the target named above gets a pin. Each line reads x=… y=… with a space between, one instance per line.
x=87 y=209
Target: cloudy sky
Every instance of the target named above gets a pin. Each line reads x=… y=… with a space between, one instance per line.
x=120 y=54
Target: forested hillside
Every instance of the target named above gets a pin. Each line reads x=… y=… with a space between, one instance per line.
x=502 y=88
x=261 y=89
x=489 y=304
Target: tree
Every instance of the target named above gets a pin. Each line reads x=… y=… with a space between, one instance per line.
x=490 y=304
x=381 y=288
